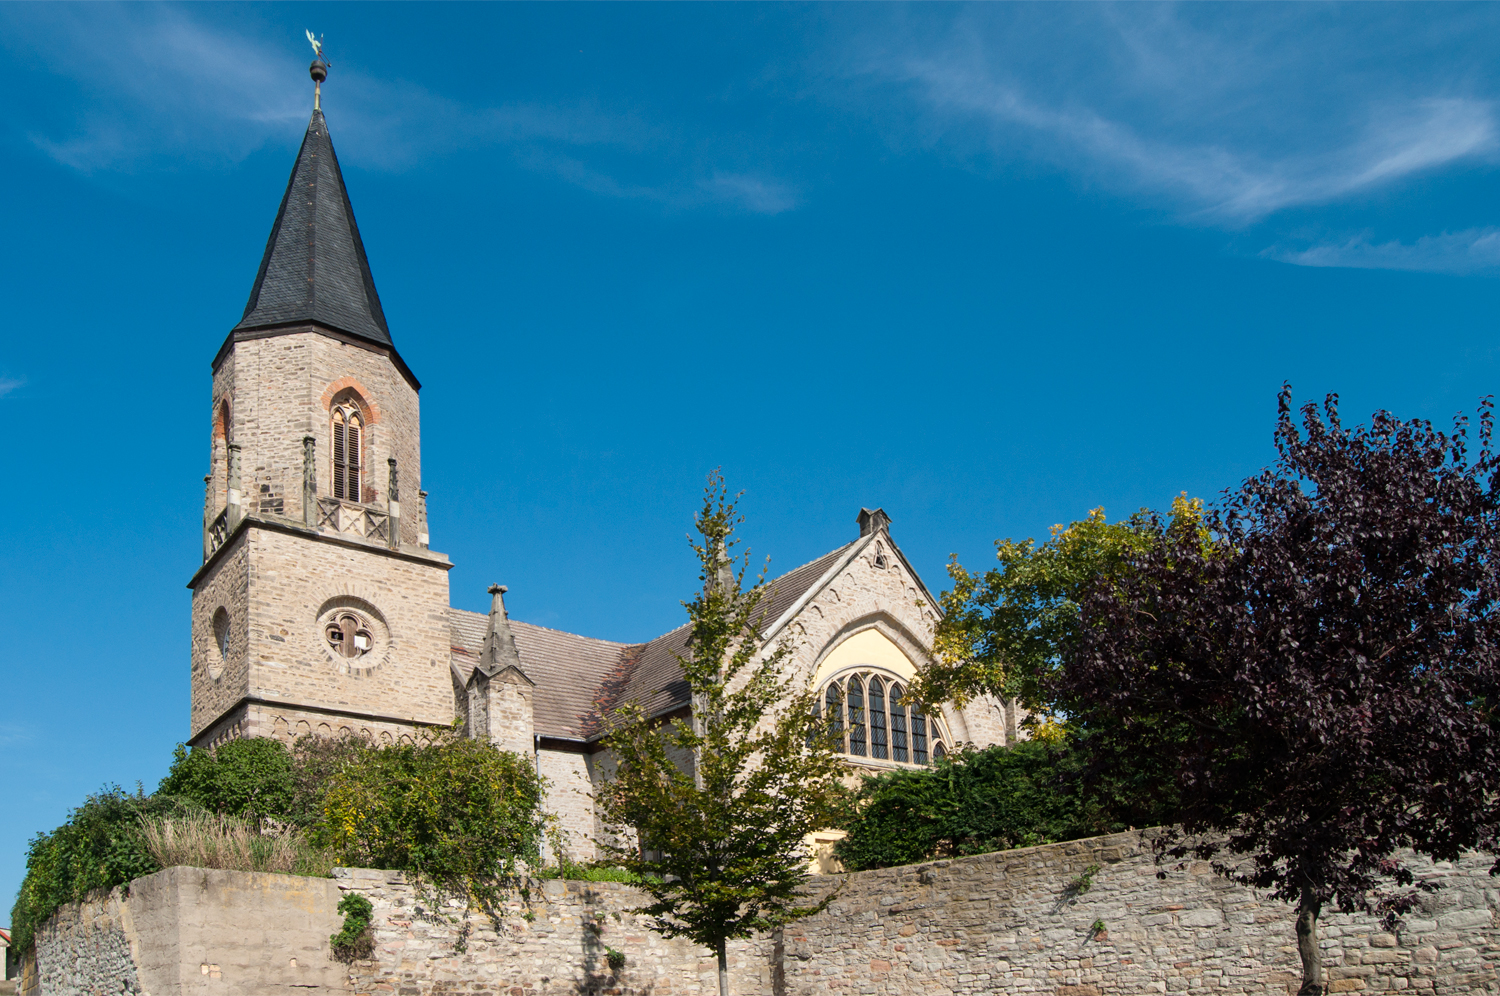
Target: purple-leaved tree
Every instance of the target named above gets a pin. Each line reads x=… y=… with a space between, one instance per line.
x=1326 y=652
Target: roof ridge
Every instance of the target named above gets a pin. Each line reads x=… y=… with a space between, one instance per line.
x=549 y=629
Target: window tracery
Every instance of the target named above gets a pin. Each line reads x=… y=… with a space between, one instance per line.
x=348 y=635
x=865 y=714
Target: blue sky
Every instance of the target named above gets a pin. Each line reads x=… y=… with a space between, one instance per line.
x=988 y=267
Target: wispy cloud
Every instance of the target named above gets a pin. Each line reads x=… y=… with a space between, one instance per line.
x=168 y=86
x=1219 y=117
x=13 y=733
x=1476 y=250
x=9 y=384
x=1216 y=176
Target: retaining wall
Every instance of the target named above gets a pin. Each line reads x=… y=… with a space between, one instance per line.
x=1015 y=922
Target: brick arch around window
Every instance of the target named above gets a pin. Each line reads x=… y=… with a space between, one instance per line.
x=223 y=420
x=350 y=385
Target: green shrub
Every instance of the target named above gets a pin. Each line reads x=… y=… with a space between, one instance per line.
x=460 y=814
x=1002 y=797
x=356 y=939
x=589 y=873
x=99 y=847
x=250 y=777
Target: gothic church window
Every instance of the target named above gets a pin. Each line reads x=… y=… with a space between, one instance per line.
x=348 y=635
x=347 y=430
x=866 y=717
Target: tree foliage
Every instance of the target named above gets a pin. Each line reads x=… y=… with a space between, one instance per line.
x=460 y=814
x=250 y=777
x=1003 y=631
x=971 y=802
x=722 y=802
x=1325 y=668
x=99 y=847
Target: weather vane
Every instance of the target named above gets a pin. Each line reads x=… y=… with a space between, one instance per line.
x=318 y=70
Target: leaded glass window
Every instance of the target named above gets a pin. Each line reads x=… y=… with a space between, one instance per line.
x=867 y=718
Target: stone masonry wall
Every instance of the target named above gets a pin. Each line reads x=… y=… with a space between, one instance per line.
x=1015 y=922
x=281 y=388
x=293 y=583
x=1020 y=922
x=562 y=950
x=194 y=931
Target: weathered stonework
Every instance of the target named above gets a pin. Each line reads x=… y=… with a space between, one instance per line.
x=1015 y=922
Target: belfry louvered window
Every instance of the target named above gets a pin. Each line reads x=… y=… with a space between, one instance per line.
x=347 y=426
x=866 y=717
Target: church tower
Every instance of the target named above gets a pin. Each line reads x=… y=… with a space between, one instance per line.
x=319 y=606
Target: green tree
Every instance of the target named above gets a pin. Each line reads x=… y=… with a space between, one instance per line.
x=1003 y=631
x=721 y=834
x=460 y=814
x=99 y=847
x=249 y=777
x=970 y=802
x=1330 y=663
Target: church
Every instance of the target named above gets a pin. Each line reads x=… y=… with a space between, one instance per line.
x=321 y=608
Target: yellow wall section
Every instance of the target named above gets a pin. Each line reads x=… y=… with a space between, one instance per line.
x=870 y=648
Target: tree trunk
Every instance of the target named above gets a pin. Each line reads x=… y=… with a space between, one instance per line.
x=724 y=968
x=1307 y=944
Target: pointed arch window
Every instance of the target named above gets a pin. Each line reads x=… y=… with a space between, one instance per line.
x=348 y=430
x=867 y=718
x=855 y=693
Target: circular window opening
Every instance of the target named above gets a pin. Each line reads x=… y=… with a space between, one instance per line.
x=220 y=652
x=348 y=635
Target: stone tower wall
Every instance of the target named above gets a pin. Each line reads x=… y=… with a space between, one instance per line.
x=293 y=582
x=280 y=390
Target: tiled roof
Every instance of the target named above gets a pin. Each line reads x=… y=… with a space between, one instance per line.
x=314 y=268
x=579 y=679
x=569 y=670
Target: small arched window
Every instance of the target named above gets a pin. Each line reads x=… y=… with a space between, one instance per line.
x=348 y=426
x=867 y=718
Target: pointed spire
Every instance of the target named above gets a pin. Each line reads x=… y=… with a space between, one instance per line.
x=499 y=644
x=314 y=270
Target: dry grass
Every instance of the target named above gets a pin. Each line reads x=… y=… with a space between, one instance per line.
x=206 y=840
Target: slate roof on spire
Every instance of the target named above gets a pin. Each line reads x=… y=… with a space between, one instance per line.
x=314 y=269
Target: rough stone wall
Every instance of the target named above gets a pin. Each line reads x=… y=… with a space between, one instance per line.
x=219 y=681
x=195 y=931
x=1015 y=922
x=281 y=388
x=293 y=581
x=84 y=949
x=1020 y=922
x=570 y=799
x=561 y=950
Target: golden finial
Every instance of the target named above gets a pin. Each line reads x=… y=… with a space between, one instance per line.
x=318 y=70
